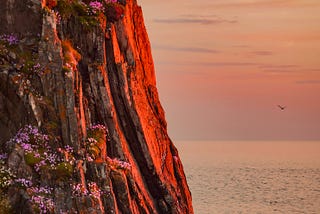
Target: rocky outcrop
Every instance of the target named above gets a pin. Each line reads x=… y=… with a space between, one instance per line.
x=81 y=126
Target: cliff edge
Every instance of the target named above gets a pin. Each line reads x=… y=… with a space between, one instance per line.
x=81 y=126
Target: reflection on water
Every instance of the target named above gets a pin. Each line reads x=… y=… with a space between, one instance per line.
x=253 y=177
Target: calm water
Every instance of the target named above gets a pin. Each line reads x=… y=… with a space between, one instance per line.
x=253 y=177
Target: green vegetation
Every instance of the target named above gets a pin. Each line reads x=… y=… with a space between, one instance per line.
x=64 y=170
x=23 y=59
x=79 y=10
x=32 y=158
x=95 y=143
x=90 y=14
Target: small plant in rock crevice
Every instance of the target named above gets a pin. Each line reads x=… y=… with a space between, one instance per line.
x=96 y=7
x=14 y=54
x=119 y=164
x=79 y=190
x=91 y=189
x=6 y=176
x=98 y=132
x=19 y=57
x=11 y=39
x=37 y=151
x=96 y=143
x=41 y=199
x=65 y=168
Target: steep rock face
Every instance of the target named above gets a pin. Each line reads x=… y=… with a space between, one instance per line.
x=64 y=73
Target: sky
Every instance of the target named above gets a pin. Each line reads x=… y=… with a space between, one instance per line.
x=223 y=66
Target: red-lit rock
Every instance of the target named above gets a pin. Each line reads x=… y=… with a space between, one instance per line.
x=99 y=74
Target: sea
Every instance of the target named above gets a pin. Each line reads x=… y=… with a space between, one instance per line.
x=252 y=176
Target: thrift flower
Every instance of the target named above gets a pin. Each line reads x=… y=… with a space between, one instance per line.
x=11 y=39
x=96 y=7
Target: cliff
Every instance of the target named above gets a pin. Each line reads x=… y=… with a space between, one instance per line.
x=81 y=126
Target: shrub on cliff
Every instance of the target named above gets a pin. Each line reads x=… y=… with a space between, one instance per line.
x=96 y=143
x=78 y=10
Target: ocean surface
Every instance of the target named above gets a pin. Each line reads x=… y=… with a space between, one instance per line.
x=252 y=177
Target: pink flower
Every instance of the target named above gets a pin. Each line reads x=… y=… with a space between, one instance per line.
x=96 y=7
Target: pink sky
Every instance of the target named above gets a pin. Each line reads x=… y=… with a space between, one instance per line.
x=223 y=66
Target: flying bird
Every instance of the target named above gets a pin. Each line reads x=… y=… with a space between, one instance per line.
x=282 y=107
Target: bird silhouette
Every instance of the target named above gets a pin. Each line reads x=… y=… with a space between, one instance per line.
x=282 y=107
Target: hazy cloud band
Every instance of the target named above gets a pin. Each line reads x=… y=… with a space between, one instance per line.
x=195 y=21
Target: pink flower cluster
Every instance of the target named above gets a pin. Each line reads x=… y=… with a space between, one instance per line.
x=23 y=182
x=9 y=38
x=27 y=135
x=31 y=141
x=96 y=7
x=3 y=156
x=39 y=154
x=119 y=164
x=98 y=126
x=94 y=190
x=27 y=147
x=41 y=198
x=79 y=190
